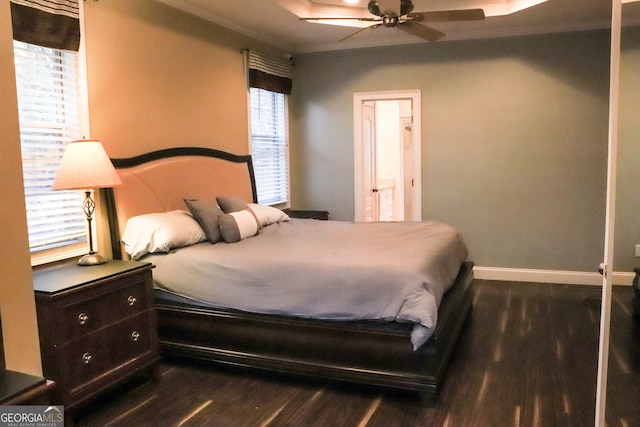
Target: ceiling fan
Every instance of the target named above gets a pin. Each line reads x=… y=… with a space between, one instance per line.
x=399 y=14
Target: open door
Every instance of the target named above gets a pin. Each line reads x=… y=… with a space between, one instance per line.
x=387 y=156
x=370 y=199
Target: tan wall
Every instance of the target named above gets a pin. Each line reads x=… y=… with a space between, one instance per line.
x=19 y=327
x=161 y=78
x=157 y=78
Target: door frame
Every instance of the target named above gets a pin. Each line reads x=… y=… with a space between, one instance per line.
x=415 y=96
x=609 y=235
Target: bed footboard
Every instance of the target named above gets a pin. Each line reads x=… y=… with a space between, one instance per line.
x=362 y=352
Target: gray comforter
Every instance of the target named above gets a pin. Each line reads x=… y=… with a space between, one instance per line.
x=324 y=269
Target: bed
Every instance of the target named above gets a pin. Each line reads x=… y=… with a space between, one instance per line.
x=394 y=350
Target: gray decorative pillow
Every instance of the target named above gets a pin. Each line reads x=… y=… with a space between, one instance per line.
x=207 y=213
x=230 y=204
x=236 y=226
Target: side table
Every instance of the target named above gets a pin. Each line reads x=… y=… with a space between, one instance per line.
x=97 y=327
x=307 y=214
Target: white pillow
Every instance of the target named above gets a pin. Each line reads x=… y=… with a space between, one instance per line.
x=160 y=232
x=267 y=215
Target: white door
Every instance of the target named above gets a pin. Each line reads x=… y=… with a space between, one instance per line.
x=407 y=173
x=368 y=147
x=370 y=200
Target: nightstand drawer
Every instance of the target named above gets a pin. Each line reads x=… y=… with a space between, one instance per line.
x=90 y=315
x=104 y=350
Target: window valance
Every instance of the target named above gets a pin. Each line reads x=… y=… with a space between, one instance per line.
x=49 y=23
x=269 y=73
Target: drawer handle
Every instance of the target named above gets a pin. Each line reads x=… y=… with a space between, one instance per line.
x=135 y=336
x=83 y=318
x=132 y=300
x=86 y=358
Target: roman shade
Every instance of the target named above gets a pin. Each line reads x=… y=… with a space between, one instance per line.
x=269 y=73
x=50 y=23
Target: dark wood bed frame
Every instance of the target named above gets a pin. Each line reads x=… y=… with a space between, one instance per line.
x=366 y=352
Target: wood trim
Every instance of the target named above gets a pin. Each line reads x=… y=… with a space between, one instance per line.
x=127 y=162
x=549 y=276
x=114 y=233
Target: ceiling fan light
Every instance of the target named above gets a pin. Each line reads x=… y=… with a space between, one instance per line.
x=389 y=21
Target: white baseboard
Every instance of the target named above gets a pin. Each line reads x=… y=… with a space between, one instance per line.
x=549 y=276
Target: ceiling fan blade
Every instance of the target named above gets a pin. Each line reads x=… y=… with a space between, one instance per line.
x=449 y=15
x=342 y=19
x=421 y=31
x=371 y=27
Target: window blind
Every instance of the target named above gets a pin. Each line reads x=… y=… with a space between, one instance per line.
x=49 y=115
x=268 y=73
x=50 y=23
x=269 y=148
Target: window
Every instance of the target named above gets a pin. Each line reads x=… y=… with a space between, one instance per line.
x=49 y=105
x=269 y=145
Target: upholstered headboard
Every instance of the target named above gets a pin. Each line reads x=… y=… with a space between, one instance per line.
x=159 y=181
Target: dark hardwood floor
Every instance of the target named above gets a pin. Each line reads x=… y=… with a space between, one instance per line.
x=527 y=357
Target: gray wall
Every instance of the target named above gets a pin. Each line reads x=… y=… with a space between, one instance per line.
x=514 y=140
x=628 y=180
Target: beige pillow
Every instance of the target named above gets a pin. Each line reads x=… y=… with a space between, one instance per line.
x=160 y=232
x=267 y=215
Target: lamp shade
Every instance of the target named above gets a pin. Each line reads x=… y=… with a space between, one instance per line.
x=85 y=165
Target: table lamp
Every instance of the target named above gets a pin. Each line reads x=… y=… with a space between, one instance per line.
x=86 y=166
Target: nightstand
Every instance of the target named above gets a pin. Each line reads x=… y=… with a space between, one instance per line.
x=97 y=327
x=294 y=213
x=17 y=388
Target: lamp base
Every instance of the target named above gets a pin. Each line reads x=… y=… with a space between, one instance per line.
x=92 y=259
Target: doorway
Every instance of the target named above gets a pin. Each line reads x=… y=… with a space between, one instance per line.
x=387 y=156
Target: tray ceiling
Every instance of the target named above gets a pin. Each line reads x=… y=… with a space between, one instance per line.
x=277 y=21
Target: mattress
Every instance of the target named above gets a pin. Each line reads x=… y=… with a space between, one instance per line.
x=331 y=270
